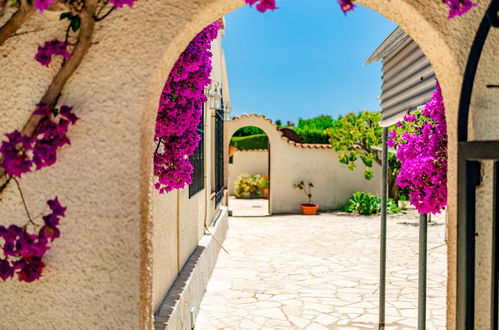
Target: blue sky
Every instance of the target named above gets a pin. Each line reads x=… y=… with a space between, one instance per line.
x=304 y=59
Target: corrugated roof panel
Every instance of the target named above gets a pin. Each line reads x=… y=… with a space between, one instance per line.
x=408 y=93
x=399 y=85
x=408 y=78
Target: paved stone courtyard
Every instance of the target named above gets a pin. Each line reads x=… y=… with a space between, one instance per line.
x=321 y=272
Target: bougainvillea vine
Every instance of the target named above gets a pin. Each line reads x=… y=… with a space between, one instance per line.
x=22 y=251
x=456 y=7
x=180 y=110
x=422 y=151
x=49 y=49
x=21 y=154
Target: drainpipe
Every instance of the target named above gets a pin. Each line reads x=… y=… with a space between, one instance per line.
x=382 y=265
x=206 y=188
x=178 y=232
x=423 y=242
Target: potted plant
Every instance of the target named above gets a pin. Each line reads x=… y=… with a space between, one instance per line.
x=308 y=208
x=264 y=185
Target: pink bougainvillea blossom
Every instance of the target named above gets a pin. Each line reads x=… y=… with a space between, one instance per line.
x=422 y=151
x=346 y=5
x=121 y=3
x=49 y=49
x=41 y=5
x=456 y=7
x=19 y=152
x=16 y=154
x=459 y=7
x=180 y=110
x=263 y=5
x=23 y=252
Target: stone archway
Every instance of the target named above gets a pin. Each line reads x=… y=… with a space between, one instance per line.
x=270 y=129
x=117 y=90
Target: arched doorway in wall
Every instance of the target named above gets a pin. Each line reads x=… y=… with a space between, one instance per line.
x=231 y=154
x=149 y=41
x=433 y=36
x=249 y=172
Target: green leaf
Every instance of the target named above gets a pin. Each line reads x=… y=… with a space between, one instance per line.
x=66 y=14
x=75 y=23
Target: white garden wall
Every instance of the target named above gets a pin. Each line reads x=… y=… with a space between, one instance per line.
x=292 y=162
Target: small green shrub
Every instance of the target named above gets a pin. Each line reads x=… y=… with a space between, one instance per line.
x=257 y=141
x=248 y=186
x=248 y=130
x=367 y=204
x=264 y=183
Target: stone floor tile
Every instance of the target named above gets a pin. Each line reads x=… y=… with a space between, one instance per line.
x=320 y=269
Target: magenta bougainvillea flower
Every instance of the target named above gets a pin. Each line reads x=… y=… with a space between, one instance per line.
x=346 y=5
x=16 y=154
x=19 y=152
x=459 y=7
x=49 y=49
x=456 y=7
x=41 y=5
x=179 y=112
x=121 y=3
x=263 y=5
x=23 y=252
x=422 y=151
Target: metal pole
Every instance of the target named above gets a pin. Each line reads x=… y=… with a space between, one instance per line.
x=423 y=241
x=382 y=264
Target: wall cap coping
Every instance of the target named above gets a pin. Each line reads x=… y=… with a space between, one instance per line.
x=290 y=142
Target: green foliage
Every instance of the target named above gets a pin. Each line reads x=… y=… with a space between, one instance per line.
x=265 y=181
x=248 y=130
x=248 y=186
x=367 y=204
x=314 y=130
x=258 y=141
x=74 y=19
x=353 y=136
x=278 y=122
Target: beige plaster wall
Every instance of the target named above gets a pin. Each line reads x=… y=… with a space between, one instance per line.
x=247 y=162
x=99 y=273
x=333 y=182
x=165 y=268
x=291 y=163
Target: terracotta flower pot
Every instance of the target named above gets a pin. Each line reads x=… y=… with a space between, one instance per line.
x=309 y=209
x=265 y=193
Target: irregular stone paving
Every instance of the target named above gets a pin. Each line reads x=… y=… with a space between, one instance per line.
x=321 y=272
x=248 y=207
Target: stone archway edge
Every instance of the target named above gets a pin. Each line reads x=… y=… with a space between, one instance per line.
x=290 y=142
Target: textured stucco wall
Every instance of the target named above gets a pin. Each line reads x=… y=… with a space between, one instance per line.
x=249 y=162
x=333 y=182
x=164 y=245
x=99 y=274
